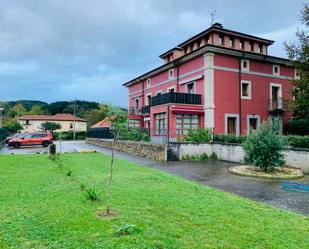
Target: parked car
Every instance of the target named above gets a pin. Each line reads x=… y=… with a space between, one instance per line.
x=37 y=138
x=17 y=135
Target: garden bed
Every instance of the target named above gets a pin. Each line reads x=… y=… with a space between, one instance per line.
x=286 y=173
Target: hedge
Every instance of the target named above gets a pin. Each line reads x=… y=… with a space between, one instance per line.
x=296 y=127
x=227 y=138
x=68 y=135
x=298 y=141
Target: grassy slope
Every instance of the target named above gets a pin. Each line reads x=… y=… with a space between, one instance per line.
x=43 y=208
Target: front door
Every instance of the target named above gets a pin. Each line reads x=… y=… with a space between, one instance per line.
x=231 y=125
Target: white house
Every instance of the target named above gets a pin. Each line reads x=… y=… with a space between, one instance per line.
x=33 y=123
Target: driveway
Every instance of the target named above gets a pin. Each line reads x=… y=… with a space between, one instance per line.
x=211 y=173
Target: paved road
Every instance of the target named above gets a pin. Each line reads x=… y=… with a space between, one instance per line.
x=210 y=173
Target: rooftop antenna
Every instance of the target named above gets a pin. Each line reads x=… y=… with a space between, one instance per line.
x=213 y=16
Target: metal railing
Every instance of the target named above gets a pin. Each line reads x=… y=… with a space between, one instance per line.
x=135 y=111
x=278 y=104
x=173 y=97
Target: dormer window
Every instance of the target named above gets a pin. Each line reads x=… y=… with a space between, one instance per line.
x=276 y=70
x=221 y=39
x=171 y=73
x=245 y=66
x=241 y=44
x=232 y=42
x=148 y=82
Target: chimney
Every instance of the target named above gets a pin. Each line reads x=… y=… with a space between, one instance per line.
x=217 y=25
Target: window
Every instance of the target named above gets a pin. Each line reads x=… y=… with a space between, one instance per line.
x=245 y=65
x=221 y=40
x=171 y=89
x=134 y=123
x=148 y=82
x=275 y=96
x=185 y=122
x=160 y=124
x=27 y=122
x=251 y=48
x=190 y=88
x=148 y=99
x=232 y=42
x=231 y=124
x=260 y=48
x=253 y=122
x=71 y=125
x=158 y=93
x=136 y=104
x=297 y=74
x=170 y=73
x=276 y=70
x=245 y=89
x=241 y=44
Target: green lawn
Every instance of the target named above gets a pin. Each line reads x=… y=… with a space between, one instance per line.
x=41 y=207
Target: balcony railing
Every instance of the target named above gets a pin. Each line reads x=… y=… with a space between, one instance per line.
x=134 y=111
x=145 y=109
x=277 y=105
x=179 y=98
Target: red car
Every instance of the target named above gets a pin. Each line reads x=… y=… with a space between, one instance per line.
x=37 y=138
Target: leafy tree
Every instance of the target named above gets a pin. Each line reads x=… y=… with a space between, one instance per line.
x=19 y=110
x=12 y=125
x=299 y=53
x=51 y=126
x=264 y=147
x=118 y=119
x=36 y=110
x=96 y=115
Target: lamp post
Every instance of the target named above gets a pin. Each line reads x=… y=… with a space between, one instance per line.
x=1 y=110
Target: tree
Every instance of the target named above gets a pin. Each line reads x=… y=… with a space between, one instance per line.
x=264 y=147
x=36 y=110
x=12 y=125
x=95 y=115
x=51 y=126
x=19 y=110
x=118 y=119
x=299 y=53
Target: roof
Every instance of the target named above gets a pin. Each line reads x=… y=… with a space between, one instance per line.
x=57 y=117
x=219 y=28
x=208 y=48
x=102 y=124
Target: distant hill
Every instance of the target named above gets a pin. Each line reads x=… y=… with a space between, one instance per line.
x=28 y=103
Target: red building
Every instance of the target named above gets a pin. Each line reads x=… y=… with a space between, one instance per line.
x=218 y=79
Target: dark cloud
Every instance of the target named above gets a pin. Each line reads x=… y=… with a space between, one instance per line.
x=52 y=50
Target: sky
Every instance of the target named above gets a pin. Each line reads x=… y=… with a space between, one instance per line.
x=53 y=50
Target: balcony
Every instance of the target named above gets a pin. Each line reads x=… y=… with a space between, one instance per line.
x=135 y=111
x=179 y=98
x=145 y=110
x=278 y=105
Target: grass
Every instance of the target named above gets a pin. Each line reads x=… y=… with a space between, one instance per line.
x=40 y=207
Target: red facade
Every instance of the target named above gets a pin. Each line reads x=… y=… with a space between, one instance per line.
x=207 y=83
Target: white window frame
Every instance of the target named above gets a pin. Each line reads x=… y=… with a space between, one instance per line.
x=231 y=115
x=258 y=117
x=297 y=77
x=242 y=65
x=146 y=100
x=276 y=85
x=171 y=73
x=277 y=74
x=171 y=87
x=194 y=86
x=249 y=89
x=148 y=83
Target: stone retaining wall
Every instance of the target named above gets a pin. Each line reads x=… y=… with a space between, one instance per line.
x=145 y=149
x=235 y=153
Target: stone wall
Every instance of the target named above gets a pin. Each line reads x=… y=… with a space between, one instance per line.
x=150 y=150
x=235 y=153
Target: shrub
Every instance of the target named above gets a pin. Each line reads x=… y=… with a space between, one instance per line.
x=52 y=151
x=297 y=127
x=125 y=230
x=227 y=138
x=199 y=135
x=68 y=135
x=264 y=147
x=298 y=141
x=193 y=157
x=213 y=156
x=134 y=134
x=204 y=156
x=92 y=194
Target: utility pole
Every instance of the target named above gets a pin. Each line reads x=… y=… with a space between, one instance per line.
x=1 y=110
x=74 y=120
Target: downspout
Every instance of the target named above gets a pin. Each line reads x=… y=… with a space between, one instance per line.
x=143 y=125
x=239 y=92
x=168 y=124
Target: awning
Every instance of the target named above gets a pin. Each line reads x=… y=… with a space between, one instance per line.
x=187 y=111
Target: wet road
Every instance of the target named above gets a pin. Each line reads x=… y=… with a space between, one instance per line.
x=211 y=173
